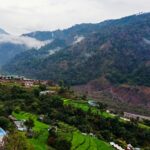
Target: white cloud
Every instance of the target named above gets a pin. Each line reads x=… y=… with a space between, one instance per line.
x=78 y=39
x=22 y=40
x=18 y=16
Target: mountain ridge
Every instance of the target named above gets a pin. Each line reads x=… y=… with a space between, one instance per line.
x=3 y=31
x=105 y=49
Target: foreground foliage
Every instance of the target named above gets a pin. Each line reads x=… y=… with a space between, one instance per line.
x=55 y=109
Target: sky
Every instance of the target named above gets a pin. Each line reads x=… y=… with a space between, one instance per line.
x=22 y=16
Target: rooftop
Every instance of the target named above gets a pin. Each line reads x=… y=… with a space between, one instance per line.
x=2 y=132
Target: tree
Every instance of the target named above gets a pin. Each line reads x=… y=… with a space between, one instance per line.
x=17 y=141
x=56 y=102
x=61 y=83
x=102 y=107
x=84 y=97
x=42 y=87
x=4 y=123
x=62 y=144
x=29 y=124
x=36 y=92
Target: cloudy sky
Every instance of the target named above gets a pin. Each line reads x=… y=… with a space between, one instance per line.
x=20 y=16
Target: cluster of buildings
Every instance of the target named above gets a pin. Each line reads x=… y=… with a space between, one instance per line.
x=128 y=147
x=22 y=80
x=135 y=116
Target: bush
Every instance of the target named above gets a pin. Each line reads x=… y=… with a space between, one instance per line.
x=4 y=123
x=63 y=144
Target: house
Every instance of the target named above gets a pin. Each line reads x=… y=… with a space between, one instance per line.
x=116 y=146
x=125 y=119
x=41 y=117
x=2 y=135
x=20 y=125
x=135 y=116
x=12 y=118
x=129 y=147
x=53 y=129
x=84 y=133
x=92 y=103
x=44 y=82
x=28 y=83
x=91 y=134
x=48 y=92
x=108 y=111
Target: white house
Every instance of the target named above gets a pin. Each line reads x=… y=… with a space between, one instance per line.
x=48 y=92
x=92 y=103
x=20 y=125
x=2 y=135
x=116 y=146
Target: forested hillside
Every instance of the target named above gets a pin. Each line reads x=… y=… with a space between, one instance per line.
x=119 y=50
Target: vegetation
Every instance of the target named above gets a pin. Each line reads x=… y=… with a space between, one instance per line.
x=17 y=141
x=80 y=140
x=40 y=131
x=74 y=123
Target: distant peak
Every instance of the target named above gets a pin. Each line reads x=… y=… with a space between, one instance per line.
x=3 y=31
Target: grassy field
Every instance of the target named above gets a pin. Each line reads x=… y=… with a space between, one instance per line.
x=39 y=143
x=85 y=107
x=87 y=142
x=80 y=141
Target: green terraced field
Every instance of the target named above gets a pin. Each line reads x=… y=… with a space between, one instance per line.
x=39 y=143
x=78 y=140
x=85 y=106
x=87 y=142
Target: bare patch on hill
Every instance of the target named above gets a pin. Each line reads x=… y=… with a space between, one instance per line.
x=135 y=99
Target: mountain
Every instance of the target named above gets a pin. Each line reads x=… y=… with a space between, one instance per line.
x=3 y=31
x=68 y=35
x=117 y=49
x=108 y=61
x=8 y=50
x=11 y=45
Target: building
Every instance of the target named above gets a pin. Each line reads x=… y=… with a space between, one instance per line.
x=135 y=116
x=116 y=146
x=48 y=92
x=28 y=83
x=21 y=80
x=92 y=103
x=20 y=125
x=2 y=135
x=12 y=118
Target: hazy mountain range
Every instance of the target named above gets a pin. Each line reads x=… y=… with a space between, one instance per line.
x=11 y=45
x=117 y=49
